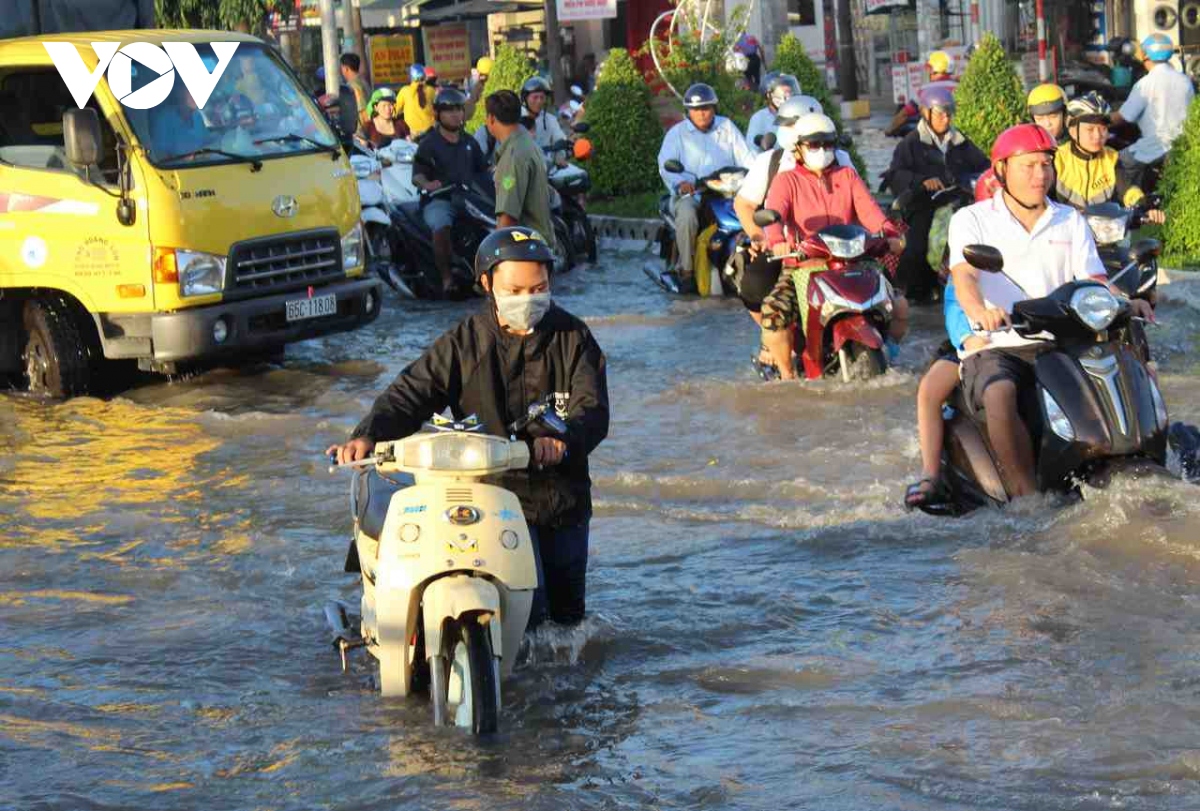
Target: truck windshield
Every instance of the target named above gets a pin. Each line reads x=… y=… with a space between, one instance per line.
x=256 y=112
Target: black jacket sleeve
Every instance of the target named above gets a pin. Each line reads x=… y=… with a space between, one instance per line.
x=423 y=389
x=587 y=417
x=976 y=161
x=905 y=171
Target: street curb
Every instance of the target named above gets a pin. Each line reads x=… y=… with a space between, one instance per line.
x=625 y=233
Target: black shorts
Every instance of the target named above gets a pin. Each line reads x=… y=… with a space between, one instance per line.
x=994 y=366
x=758 y=280
x=946 y=351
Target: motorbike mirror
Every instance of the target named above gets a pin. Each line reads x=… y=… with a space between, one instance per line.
x=1146 y=249
x=673 y=166
x=766 y=141
x=561 y=146
x=984 y=257
x=765 y=216
x=582 y=127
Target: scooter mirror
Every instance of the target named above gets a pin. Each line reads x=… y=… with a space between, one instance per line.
x=673 y=166
x=766 y=141
x=984 y=257
x=582 y=127
x=765 y=216
x=1146 y=249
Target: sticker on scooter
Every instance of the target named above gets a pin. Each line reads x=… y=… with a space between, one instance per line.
x=414 y=509
x=508 y=515
x=463 y=516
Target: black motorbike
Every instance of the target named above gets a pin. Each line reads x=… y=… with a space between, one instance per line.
x=1131 y=266
x=571 y=184
x=1095 y=408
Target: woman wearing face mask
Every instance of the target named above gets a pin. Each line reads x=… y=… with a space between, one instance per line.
x=519 y=349
x=814 y=195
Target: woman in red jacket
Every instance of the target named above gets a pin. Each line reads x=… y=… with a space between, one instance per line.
x=815 y=195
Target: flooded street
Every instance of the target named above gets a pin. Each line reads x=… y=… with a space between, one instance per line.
x=767 y=627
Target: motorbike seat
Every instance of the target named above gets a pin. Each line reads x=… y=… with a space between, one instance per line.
x=373 y=494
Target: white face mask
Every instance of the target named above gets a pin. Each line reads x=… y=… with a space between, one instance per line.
x=818 y=159
x=522 y=312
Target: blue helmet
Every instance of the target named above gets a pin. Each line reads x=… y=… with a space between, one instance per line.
x=416 y=73
x=1158 y=47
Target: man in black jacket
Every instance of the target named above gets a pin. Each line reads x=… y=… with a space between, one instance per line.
x=933 y=157
x=520 y=349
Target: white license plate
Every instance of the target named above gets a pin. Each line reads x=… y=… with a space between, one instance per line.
x=303 y=308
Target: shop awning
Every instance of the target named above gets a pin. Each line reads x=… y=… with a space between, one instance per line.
x=473 y=9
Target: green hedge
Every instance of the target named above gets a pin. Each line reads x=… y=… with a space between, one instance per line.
x=511 y=69
x=989 y=97
x=790 y=57
x=624 y=130
x=1180 y=180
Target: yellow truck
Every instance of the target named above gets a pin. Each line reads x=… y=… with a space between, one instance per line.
x=150 y=221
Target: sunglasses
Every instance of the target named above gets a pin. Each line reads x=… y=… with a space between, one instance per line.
x=818 y=143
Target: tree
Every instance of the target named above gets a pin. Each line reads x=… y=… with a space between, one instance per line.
x=791 y=58
x=512 y=67
x=217 y=14
x=1181 y=178
x=624 y=130
x=989 y=97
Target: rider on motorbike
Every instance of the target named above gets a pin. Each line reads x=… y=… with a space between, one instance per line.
x=1087 y=170
x=1046 y=106
x=1158 y=104
x=519 y=347
x=446 y=157
x=534 y=95
x=1044 y=245
x=778 y=88
x=933 y=157
x=703 y=143
x=939 y=70
x=815 y=194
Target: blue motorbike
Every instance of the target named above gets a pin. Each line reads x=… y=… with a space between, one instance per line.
x=718 y=240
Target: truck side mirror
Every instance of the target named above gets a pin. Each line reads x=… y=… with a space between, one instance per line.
x=81 y=136
x=984 y=257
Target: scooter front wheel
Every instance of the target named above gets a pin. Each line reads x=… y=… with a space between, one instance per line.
x=472 y=683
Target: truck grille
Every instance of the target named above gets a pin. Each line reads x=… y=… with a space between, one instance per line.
x=285 y=262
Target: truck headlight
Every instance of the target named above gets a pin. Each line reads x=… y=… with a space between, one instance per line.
x=352 y=252
x=200 y=274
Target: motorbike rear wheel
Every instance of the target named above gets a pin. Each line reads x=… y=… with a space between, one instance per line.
x=472 y=680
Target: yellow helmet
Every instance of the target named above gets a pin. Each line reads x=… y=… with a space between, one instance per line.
x=1046 y=99
x=938 y=62
x=484 y=65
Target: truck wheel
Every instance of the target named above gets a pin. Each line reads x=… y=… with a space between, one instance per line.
x=60 y=351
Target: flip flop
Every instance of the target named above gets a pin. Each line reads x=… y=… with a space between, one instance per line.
x=915 y=497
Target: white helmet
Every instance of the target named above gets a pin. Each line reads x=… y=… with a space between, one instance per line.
x=794 y=108
x=816 y=126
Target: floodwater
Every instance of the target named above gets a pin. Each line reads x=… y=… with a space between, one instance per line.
x=768 y=628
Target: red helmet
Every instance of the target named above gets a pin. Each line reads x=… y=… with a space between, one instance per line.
x=1022 y=140
x=430 y=73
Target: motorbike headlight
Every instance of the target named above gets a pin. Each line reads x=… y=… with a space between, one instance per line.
x=352 y=250
x=454 y=452
x=1058 y=420
x=726 y=183
x=1160 y=405
x=1108 y=230
x=200 y=274
x=362 y=165
x=1095 y=306
x=846 y=248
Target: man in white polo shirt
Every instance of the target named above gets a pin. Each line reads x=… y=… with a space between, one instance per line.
x=1045 y=245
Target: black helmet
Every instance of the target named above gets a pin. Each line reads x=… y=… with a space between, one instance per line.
x=534 y=84
x=518 y=244
x=700 y=95
x=449 y=97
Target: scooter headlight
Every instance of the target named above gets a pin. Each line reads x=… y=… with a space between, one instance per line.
x=1095 y=306
x=726 y=183
x=1108 y=230
x=846 y=248
x=1058 y=420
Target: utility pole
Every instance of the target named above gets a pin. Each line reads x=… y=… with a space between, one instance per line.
x=847 y=63
x=1043 y=64
x=975 y=21
x=354 y=21
x=329 y=48
x=558 y=82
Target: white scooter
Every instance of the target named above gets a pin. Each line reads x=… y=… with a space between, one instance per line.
x=448 y=567
x=384 y=180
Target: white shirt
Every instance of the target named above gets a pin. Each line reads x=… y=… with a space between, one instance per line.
x=702 y=153
x=546 y=129
x=761 y=123
x=1058 y=250
x=1158 y=104
x=756 y=184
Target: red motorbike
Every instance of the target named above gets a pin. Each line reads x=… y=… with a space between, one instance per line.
x=849 y=301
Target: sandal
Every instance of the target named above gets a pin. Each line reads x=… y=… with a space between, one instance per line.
x=767 y=371
x=918 y=495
